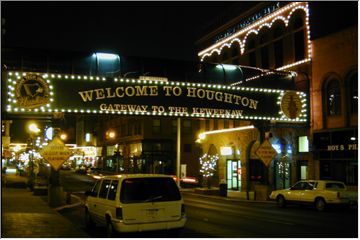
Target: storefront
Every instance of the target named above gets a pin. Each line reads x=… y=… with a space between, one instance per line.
x=336 y=152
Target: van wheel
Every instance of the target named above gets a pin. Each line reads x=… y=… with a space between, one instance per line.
x=320 y=204
x=280 y=200
x=89 y=223
x=109 y=229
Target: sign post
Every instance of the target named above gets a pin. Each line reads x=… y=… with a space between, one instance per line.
x=266 y=152
x=56 y=153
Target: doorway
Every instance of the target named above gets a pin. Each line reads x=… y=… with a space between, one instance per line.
x=233 y=174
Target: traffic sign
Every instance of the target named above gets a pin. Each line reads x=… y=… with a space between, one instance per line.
x=56 y=153
x=266 y=152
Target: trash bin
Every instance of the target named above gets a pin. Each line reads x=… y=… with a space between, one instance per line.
x=223 y=189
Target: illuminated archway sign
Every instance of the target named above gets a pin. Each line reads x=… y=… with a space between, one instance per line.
x=42 y=93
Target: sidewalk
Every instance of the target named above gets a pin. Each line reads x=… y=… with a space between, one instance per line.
x=26 y=215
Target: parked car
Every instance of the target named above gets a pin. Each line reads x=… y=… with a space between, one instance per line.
x=81 y=169
x=135 y=203
x=320 y=193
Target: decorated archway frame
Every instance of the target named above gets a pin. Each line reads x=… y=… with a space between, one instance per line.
x=240 y=37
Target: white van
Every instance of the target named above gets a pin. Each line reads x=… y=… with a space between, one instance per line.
x=135 y=203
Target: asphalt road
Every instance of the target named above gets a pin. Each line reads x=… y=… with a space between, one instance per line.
x=220 y=217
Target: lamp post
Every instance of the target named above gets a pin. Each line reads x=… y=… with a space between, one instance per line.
x=110 y=135
x=34 y=130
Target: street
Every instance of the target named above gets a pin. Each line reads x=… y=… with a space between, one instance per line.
x=221 y=217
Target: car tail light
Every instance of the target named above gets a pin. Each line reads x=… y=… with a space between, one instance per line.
x=119 y=213
x=182 y=210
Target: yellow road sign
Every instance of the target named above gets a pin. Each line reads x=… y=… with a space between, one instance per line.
x=56 y=153
x=266 y=152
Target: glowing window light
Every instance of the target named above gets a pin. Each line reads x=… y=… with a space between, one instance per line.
x=226 y=151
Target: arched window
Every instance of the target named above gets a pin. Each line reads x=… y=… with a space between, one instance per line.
x=251 y=51
x=333 y=98
x=235 y=50
x=353 y=93
x=299 y=39
x=264 y=50
x=278 y=47
x=225 y=54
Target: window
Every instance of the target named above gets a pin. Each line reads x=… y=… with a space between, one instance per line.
x=333 y=97
x=225 y=54
x=137 y=128
x=264 y=57
x=353 y=90
x=112 y=190
x=251 y=52
x=335 y=186
x=303 y=144
x=187 y=126
x=156 y=126
x=226 y=123
x=135 y=190
x=299 y=39
x=174 y=126
x=104 y=189
x=264 y=51
x=235 y=50
x=123 y=129
x=130 y=128
x=207 y=125
x=303 y=186
x=96 y=188
x=252 y=59
x=187 y=148
x=278 y=47
x=216 y=124
x=236 y=123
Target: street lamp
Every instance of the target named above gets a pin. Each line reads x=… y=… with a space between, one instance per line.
x=63 y=136
x=34 y=130
x=109 y=137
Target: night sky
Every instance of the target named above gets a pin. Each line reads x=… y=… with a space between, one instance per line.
x=160 y=29
x=153 y=29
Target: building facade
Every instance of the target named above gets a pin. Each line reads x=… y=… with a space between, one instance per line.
x=334 y=104
x=277 y=35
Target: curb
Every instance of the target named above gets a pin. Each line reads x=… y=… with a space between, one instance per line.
x=67 y=206
x=227 y=198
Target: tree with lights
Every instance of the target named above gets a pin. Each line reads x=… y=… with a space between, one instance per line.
x=283 y=169
x=208 y=164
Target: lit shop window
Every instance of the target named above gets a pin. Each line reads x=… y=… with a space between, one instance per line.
x=303 y=144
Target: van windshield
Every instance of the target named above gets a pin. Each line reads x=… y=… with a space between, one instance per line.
x=155 y=189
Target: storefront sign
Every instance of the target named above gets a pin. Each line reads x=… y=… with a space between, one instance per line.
x=342 y=147
x=95 y=95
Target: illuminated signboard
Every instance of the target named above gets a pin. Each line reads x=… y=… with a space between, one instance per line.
x=43 y=93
